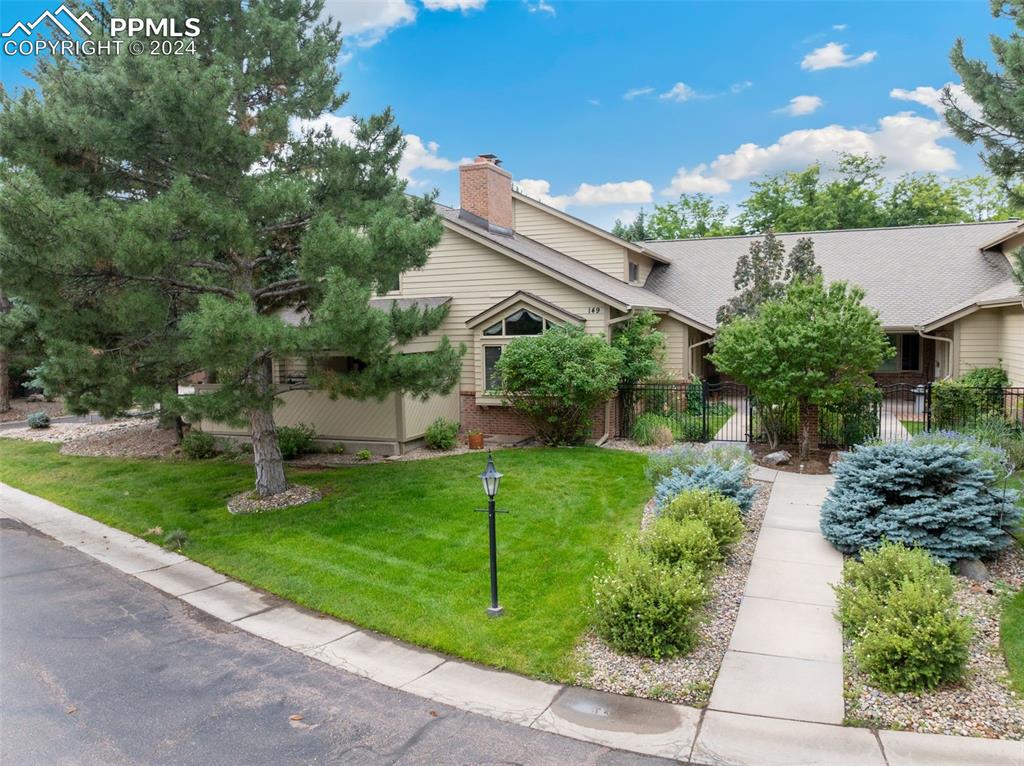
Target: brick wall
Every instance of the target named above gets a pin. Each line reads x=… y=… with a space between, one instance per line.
x=485 y=190
x=506 y=422
x=914 y=378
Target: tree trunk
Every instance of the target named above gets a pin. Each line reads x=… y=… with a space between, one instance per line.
x=179 y=429
x=5 y=381
x=266 y=453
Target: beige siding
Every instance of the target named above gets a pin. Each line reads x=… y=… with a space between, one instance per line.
x=980 y=340
x=677 y=348
x=1012 y=346
x=476 y=278
x=570 y=239
x=645 y=264
x=343 y=419
x=420 y=414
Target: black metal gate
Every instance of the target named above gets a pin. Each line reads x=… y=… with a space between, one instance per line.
x=696 y=411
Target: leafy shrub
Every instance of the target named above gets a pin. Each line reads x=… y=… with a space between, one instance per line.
x=729 y=482
x=198 y=445
x=720 y=514
x=648 y=608
x=38 y=420
x=671 y=541
x=441 y=434
x=852 y=418
x=930 y=495
x=957 y=404
x=897 y=607
x=295 y=440
x=868 y=583
x=694 y=396
x=686 y=457
x=363 y=455
x=555 y=381
x=917 y=642
x=650 y=429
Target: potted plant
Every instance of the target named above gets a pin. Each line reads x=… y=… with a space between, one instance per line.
x=476 y=439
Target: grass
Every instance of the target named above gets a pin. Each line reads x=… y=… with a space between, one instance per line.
x=394 y=547
x=1011 y=634
x=913 y=427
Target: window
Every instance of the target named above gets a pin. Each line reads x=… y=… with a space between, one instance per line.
x=524 y=322
x=908 y=353
x=492 y=381
x=634 y=272
x=494 y=329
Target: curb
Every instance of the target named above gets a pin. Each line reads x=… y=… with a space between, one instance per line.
x=708 y=737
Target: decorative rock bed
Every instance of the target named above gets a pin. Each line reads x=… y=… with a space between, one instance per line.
x=983 y=704
x=688 y=679
x=250 y=502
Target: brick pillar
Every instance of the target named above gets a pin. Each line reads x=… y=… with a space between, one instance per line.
x=808 y=419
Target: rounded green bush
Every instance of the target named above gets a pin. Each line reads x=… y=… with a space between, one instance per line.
x=918 y=641
x=198 y=445
x=295 y=440
x=442 y=434
x=38 y=420
x=671 y=541
x=868 y=583
x=648 y=608
x=720 y=514
x=650 y=429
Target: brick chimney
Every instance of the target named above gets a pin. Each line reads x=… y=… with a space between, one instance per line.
x=485 y=192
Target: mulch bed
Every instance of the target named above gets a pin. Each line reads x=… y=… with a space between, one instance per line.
x=250 y=502
x=983 y=704
x=685 y=680
x=816 y=462
x=22 y=408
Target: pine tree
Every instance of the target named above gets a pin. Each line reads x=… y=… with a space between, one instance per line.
x=996 y=117
x=180 y=183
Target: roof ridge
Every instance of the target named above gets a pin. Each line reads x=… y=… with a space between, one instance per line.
x=836 y=231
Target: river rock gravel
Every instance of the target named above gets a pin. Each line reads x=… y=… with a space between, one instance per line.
x=685 y=680
x=983 y=704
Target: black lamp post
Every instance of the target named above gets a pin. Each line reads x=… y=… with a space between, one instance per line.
x=491 y=477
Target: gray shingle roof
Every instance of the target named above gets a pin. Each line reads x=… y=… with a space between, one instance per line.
x=912 y=275
x=386 y=304
x=545 y=257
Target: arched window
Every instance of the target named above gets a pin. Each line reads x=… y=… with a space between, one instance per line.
x=521 y=322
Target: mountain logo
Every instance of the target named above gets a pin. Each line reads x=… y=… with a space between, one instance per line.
x=54 y=18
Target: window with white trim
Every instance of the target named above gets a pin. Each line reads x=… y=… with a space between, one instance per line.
x=517 y=323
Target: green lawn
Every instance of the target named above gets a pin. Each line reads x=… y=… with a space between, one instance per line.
x=395 y=547
x=1011 y=633
x=913 y=427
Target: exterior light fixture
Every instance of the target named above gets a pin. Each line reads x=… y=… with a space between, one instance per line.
x=491 y=478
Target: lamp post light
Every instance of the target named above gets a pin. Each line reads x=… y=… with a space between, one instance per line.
x=491 y=477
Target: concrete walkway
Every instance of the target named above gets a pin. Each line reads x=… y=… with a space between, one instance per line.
x=721 y=736
x=785 y=656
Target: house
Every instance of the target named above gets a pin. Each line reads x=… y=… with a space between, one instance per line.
x=508 y=266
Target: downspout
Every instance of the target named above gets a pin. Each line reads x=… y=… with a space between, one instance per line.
x=695 y=345
x=949 y=351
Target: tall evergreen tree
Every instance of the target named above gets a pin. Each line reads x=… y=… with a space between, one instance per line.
x=179 y=181
x=995 y=119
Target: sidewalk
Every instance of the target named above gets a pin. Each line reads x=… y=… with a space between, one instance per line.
x=717 y=736
x=785 y=656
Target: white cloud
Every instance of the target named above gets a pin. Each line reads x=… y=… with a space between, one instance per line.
x=594 y=101
x=632 y=93
x=909 y=143
x=693 y=181
x=834 y=55
x=930 y=97
x=839 y=27
x=454 y=5
x=367 y=22
x=739 y=87
x=540 y=7
x=614 y=193
x=418 y=155
x=799 y=105
x=679 y=92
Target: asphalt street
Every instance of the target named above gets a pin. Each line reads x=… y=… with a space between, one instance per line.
x=97 y=667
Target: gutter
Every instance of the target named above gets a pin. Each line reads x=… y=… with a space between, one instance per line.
x=949 y=354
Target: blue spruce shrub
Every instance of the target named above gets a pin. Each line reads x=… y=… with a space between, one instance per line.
x=933 y=496
x=728 y=481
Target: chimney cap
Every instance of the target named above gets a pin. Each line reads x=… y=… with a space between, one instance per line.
x=491 y=158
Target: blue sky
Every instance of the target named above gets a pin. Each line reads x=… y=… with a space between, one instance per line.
x=604 y=107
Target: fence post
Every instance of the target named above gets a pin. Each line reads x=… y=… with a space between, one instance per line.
x=750 y=418
x=704 y=409
x=928 y=406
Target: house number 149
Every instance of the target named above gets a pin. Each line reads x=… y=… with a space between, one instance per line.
x=593 y=309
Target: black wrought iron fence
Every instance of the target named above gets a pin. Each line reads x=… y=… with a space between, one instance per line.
x=690 y=411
